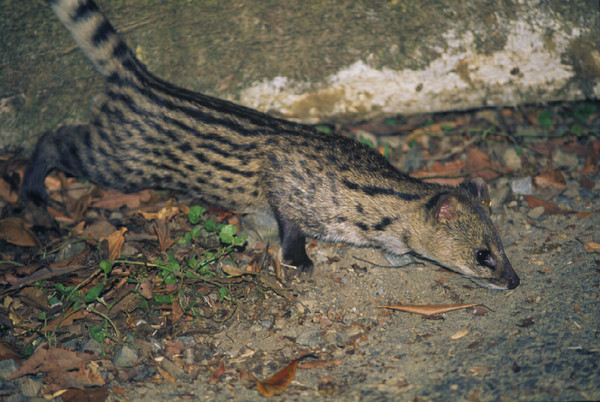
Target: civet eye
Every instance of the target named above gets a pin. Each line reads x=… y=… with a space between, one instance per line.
x=484 y=257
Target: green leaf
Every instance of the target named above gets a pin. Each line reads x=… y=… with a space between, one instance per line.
x=386 y=151
x=446 y=127
x=164 y=299
x=222 y=293
x=390 y=121
x=545 y=118
x=41 y=316
x=323 y=128
x=98 y=334
x=105 y=266
x=29 y=350
x=196 y=232
x=185 y=239
x=365 y=141
x=93 y=293
x=583 y=112
x=226 y=233
x=195 y=214
x=577 y=130
x=210 y=225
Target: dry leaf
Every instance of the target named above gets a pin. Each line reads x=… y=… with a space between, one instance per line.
x=35 y=297
x=7 y=193
x=442 y=173
x=278 y=382
x=161 y=228
x=62 y=368
x=460 y=334
x=429 y=309
x=216 y=375
x=551 y=179
x=234 y=271
x=115 y=243
x=166 y=213
x=113 y=199
x=591 y=247
x=13 y=230
x=165 y=374
x=479 y=162
x=549 y=208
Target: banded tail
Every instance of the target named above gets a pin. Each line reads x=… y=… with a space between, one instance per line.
x=97 y=38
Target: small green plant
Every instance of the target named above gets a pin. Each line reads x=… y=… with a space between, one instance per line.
x=545 y=119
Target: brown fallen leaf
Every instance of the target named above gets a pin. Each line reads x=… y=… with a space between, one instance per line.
x=90 y=395
x=428 y=309
x=115 y=243
x=165 y=374
x=163 y=233
x=549 y=208
x=7 y=192
x=113 y=199
x=35 y=297
x=62 y=368
x=478 y=161
x=278 y=382
x=591 y=247
x=216 y=375
x=449 y=173
x=166 y=213
x=13 y=231
x=551 y=179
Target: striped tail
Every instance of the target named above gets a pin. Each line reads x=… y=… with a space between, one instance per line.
x=97 y=37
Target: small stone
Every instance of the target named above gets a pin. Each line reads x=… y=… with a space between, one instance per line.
x=173 y=369
x=536 y=212
x=125 y=357
x=511 y=159
x=522 y=186
x=310 y=337
x=7 y=367
x=31 y=386
x=561 y=159
x=116 y=216
x=70 y=250
x=92 y=345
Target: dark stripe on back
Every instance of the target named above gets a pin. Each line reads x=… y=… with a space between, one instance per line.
x=375 y=190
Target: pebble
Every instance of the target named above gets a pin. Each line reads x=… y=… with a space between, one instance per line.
x=511 y=159
x=7 y=367
x=125 y=357
x=561 y=159
x=310 y=337
x=522 y=186
x=70 y=250
x=31 y=386
x=92 y=345
x=536 y=212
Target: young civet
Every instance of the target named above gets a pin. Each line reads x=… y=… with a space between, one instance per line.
x=148 y=133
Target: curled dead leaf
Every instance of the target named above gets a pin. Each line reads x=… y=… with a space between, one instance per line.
x=166 y=213
x=591 y=247
x=551 y=179
x=115 y=243
x=429 y=309
x=278 y=382
x=13 y=231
